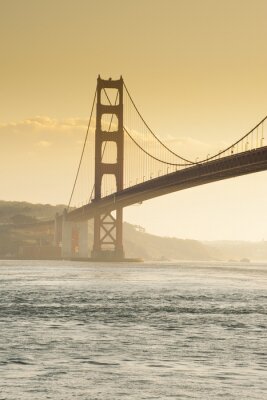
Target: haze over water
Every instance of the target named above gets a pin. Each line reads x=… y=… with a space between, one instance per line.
x=148 y=331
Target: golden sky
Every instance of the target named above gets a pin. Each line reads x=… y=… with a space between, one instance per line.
x=196 y=69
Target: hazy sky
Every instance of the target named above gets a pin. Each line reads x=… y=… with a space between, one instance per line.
x=197 y=70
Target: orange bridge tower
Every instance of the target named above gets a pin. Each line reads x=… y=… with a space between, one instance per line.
x=108 y=226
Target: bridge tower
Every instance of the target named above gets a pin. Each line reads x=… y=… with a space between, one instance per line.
x=108 y=226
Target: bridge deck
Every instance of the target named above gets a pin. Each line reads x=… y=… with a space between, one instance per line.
x=211 y=171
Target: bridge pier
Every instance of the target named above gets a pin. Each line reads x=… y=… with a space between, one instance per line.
x=58 y=230
x=74 y=239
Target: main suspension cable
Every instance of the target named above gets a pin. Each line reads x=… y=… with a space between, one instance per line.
x=150 y=155
x=146 y=152
x=234 y=144
x=184 y=159
x=84 y=144
x=150 y=130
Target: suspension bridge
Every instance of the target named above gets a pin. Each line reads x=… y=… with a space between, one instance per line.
x=123 y=162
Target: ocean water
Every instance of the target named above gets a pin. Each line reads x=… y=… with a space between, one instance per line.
x=132 y=331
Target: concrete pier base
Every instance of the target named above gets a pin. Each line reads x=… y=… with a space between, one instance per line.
x=74 y=239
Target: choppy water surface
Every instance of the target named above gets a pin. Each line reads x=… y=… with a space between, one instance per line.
x=166 y=331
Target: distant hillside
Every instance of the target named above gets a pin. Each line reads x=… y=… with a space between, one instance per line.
x=137 y=243
x=14 y=213
x=154 y=247
x=20 y=212
x=236 y=250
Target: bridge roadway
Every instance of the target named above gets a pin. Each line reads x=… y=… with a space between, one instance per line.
x=211 y=171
